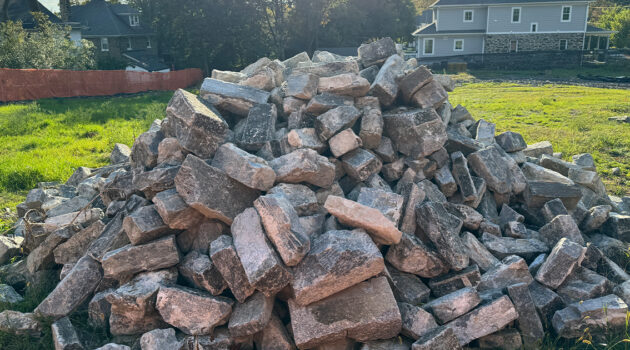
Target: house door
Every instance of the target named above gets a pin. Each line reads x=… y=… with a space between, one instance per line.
x=513 y=45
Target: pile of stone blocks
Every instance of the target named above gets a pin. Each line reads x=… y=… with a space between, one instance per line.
x=324 y=203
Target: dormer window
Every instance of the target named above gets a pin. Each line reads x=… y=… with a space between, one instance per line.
x=134 y=20
x=566 y=14
x=468 y=15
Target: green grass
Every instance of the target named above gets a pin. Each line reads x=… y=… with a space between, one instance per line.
x=573 y=118
x=544 y=74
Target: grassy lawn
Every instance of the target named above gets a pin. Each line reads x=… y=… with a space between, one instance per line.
x=573 y=118
x=544 y=74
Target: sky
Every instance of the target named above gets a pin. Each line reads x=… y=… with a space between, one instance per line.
x=52 y=5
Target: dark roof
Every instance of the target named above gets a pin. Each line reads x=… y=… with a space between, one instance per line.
x=101 y=18
x=592 y=29
x=496 y=2
x=431 y=29
x=146 y=59
x=425 y=17
x=19 y=10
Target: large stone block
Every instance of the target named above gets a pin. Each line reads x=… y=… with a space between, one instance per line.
x=225 y=258
x=377 y=52
x=251 y=316
x=442 y=228
x=126 y=261
x=560 y=263
x=414 y=81
x=415 y=133
x=385 y=85
x=201 y=273
x=511 y=270
x=453 y=305
x=302 y=86
x=335 y=120
x=145 y=225
x=251 y=171
x=258 y=128
x=175 y=212
x=75 y=247
x=237 y=99
x=304 y=165
x=360 y=164
x=413 y=256
x=431 y=95
x=344 y=84
x=607 y=312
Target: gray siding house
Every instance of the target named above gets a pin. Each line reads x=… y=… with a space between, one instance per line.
x=473 y=27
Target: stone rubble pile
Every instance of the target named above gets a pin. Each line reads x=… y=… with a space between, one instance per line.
x=324 y=203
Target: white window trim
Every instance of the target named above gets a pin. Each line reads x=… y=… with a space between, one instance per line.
x=520 y=14
x=566 y=44
x=424 y=53
x=531 y=25
x=149 y=42
x=562 y=13
x=129 y=44
x=472 y=16
x=454 y=46
x=510 y=49
x=134 y=20
x=106 y=42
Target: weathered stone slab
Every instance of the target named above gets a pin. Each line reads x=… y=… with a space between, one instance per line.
x=462 y=176
x=415 y=321
x=73 y=290
x=336 y=261
x=283 y=227
x=112 y=237
x=304 y=165
x=338 y=316
x=415 y=133
x=414 y=81
x=251 y=316
x=145 y=225
x=304 y=138
x=507 y=338
x=302 y=86
x=444 y=179
x=328 y=69
x=20 y=323
x=442 y=228
x=75 y=247
x=64 y=335
x=302 y=198
x=547 y=302
x=335 y=120
x=198 y=128
x=237 y=99
x=175 y=212
x=159 y=339
x=42 y=257
x=511 y=270
x=388 y=203
x=407 y=288
x=502 y=247
x=144 y=153
x=211 y=192
x=562 y=226
x=453 y=305
x=385 y=85
x=536 y=150
x=353 y=214
x=344 y=142
x=484 y=320
x=192 y=311
x=528 y=321
x=227 y=76
x=560 y=263
x=489 y=164
x=440 y=338
x=413 y=256
x=322 y=103
x=274 y=336
x=258 y=128
x=446 y=284
x=478 y=252
x=371 y=122
x=200 y=272
x=99 y=310
x=262 y=266
x=360 y=164
x=347 y=84
x=251 y=171
x=377 y=52
x=8 y=295
x=511 y=141
x=431 y=95
x=608 y=312
x=129 y=260
x=225 y=258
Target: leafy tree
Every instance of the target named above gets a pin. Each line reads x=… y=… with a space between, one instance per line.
x=617 y=19
x=47 y=47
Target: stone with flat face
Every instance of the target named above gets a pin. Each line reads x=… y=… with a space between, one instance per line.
x=440 y=338
x=192 y=311
x=145 y=225
x=305 y=138
x=344 y=142
x=237 y=99
x=478 y=253
x=283 y=227
x=559 y=227
x=547 y=302
x=360 y=164
x=260 y=262
x=225 y=258
x=200 y=272
x=251 y=316
x=175 y=212
x=413 y=82
x=302 y=86
x=444 y=179
x=369 y=73
x=388 y=203
x=511 y=141
x=483 y=132
x=413 y=256
x=170 y=152
x=413 y=195
x=507 y=338
x=431 y=95
x=484 y=320
x=462 y=176
x=607 y=312
x=328 y=69
x=335 y=120
x=528 y=320
x=371 y=122
x=511 y=270
x=258 y=128
x=560 y=263
x=274 y=336
x=246 y=168
x=415 y=321
x=20 y=323
x=366 y=311
x=385 y=85
x=446 y=284
x=73 y=290
x=304 y=165
x=353 y=214
x=65 y=337
x=126 y=261
x=443 y=229
x=347 y=84
x=322 y=103
x=502 y=247
x=75 y=247
x=407 y=288
x=158 y=339
x=453 y=305
x=144 y=153
x=490 y=164
x=536 y=150
x=416 y=132
x=336 y=261
x=302 y=198
x=377 y=52
x=211 y=191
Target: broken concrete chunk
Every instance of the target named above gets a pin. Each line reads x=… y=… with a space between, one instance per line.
x=304 y=165
x=251 y=171
x=210 y=191
x=338 y=316
x=225 y=258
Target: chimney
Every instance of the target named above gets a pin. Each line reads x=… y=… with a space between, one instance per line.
x=64 y=8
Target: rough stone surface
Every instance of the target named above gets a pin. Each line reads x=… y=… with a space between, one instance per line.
x=145 y=225
x=562 y=260
x=443 y=230
x=415 y=133
x=158 y=339
x=335 y=120
x=377 y=52
x=233 y=98
x=251 y=171
x=129 y=260
x=65 y=337
x=225 y=258
x=19 y=323
x=446 y=284
x=251 y=316
x=440 y=338
x=385 y=85
x=175 y=212
x=528 y=321
x=453 y=305
x=201 y=273
x=304 y=165
x=415 y=321
x=344 y=84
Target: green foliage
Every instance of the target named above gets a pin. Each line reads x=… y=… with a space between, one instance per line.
x=617 y=19
x=48 y=47
x=107 y=62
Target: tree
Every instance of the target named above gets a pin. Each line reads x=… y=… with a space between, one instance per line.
x=617 y=19
x=47 y=47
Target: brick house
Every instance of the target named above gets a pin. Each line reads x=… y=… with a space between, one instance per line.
x=478 y=27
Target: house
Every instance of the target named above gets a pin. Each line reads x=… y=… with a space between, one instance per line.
x=20 y=10
x=117 y=33
x=482 y=27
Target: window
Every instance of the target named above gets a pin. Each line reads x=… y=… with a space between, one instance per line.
x=468 y=15
x=566 y=14
x=563 y=44
x=458 y=45
x=129 y=47
x=148 y=43
x=104 y=44
x=134 y=21
x=516 y=15
x=534 y=27
x=513 y=45
x=428 y=47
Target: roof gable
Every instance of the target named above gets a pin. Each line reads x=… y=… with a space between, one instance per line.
x=101 y=18
x=19 y=10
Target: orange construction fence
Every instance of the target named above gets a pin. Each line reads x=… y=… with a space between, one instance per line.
x=33 y=84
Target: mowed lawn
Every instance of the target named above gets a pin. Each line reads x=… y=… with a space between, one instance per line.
x=573 y=118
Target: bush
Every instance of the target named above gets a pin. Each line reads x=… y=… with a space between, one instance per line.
x=617 y=19
x=48 y=47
